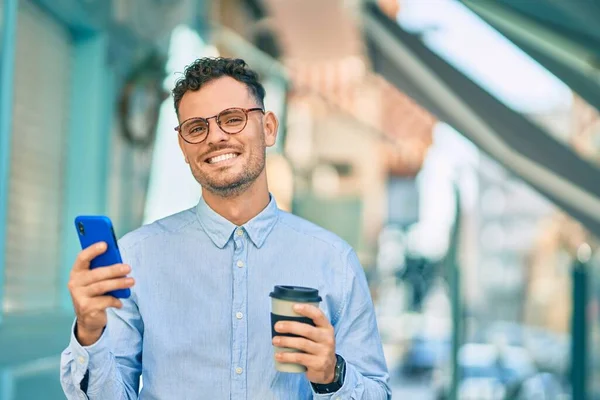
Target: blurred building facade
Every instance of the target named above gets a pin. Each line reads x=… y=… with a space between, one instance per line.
x=81 y=85
x=558 y=237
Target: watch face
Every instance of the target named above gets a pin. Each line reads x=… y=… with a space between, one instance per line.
x=340 y=369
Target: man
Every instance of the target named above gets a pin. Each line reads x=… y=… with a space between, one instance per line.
x=197 y=325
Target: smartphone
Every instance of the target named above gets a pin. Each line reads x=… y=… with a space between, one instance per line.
x=92 y=229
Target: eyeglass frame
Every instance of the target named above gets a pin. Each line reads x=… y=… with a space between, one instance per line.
x=216 y=117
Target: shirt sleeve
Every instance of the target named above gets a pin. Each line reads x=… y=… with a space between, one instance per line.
x=358 y=341
x=113 y=364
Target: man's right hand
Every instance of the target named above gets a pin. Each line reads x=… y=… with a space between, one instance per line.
x=88 y=290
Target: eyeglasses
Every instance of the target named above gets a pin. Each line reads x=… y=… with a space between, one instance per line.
x=231 y=121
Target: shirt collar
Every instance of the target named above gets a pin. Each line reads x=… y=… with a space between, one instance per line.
x=219 y=229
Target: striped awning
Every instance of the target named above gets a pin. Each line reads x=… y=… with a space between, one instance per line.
x=563 y=36
x=521 y=146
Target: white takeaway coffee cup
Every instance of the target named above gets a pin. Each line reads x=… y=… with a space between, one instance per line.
x=283 y=299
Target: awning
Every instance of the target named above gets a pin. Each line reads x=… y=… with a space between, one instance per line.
x=561 y=35
x=521 y=146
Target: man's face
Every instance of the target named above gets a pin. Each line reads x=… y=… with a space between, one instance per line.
x=244 y=152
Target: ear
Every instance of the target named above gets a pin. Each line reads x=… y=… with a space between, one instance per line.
x=182 y=147
x=270 y=127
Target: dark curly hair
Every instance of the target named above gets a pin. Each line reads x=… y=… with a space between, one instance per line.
x=207 y=69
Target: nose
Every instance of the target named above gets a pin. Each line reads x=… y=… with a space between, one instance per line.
x=215 y=133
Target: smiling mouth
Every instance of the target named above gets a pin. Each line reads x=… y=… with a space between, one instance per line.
x=221 y=158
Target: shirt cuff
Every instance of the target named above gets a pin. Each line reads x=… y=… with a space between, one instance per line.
x=87 y=357
x=350 y=382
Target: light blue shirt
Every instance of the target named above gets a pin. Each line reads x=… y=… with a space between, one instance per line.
x=197 y=325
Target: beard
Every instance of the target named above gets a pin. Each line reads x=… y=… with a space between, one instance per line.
x=229 y=183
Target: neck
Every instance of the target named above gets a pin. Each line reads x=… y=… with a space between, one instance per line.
x=242 y=207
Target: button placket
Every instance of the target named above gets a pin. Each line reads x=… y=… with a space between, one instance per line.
x=239 y=305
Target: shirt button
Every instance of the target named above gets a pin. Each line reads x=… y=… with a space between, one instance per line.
x=239 y=315
x=81 y=360
x=238 y=371
x=239 y=232
x=240 y=263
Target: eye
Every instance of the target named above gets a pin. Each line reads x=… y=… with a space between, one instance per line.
x=195 y=129
x=233 y=120
x=198 y=129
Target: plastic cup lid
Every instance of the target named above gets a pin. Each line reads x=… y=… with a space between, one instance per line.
x=296 y=293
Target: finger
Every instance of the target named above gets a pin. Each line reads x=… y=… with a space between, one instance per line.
x=92 y=305
x=104 y=273
x=308 y=360
x=102 y=287
x=82 y=262
x=104 y=302
x=305 y=345
x=300 y=329
x=313 y=313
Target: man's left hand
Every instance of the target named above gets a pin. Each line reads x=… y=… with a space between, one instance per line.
x=317 y=343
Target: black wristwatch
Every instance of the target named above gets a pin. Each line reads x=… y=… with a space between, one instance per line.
x=338 y=378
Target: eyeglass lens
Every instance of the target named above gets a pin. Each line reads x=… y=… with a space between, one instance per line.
x=230 y=121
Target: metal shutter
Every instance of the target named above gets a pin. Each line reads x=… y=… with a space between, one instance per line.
x=40 y=126
x=1 y=25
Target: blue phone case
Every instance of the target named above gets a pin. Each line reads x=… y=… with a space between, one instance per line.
x=97 y=228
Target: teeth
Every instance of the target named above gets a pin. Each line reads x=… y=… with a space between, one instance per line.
x=222 y=157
